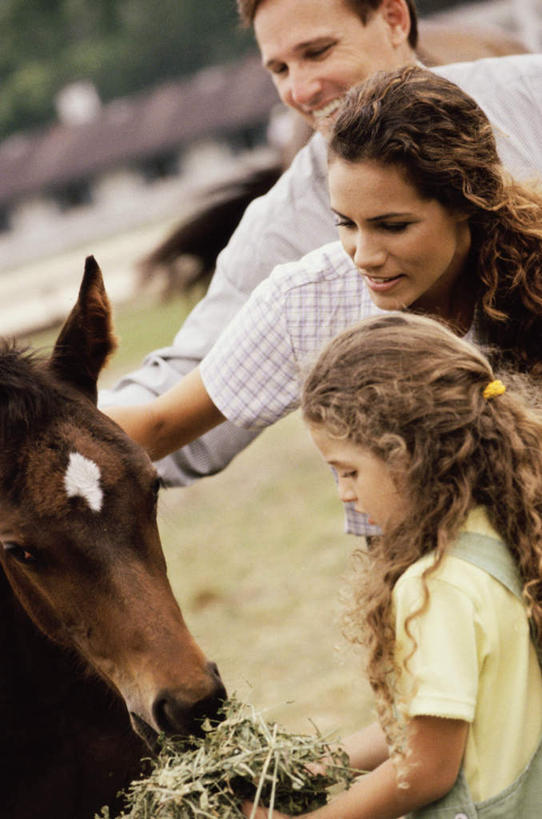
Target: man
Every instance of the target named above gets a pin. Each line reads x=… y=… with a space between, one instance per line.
x=316 y=50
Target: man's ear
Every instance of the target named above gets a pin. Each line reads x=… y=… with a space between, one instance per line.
x=397 y=15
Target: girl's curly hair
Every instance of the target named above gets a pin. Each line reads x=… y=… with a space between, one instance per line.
x=411 y=392
x=443 y=142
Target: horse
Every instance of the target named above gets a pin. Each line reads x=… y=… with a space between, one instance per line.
x=97 y=661
x=188 y=253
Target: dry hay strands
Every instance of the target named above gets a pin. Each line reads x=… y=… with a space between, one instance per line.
x=241 y=757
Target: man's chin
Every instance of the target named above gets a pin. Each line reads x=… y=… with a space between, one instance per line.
x=324 y=127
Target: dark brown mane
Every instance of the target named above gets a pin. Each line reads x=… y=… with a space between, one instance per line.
x=26 y=395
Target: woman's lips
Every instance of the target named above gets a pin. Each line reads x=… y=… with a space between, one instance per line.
x=382 y=284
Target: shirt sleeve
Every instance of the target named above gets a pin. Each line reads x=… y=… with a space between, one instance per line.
x=251 y=373
x=291 y=219
x=441 y=675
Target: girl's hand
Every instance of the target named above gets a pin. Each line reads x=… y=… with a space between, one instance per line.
x=262 y=813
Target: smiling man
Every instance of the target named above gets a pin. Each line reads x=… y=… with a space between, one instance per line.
x=315 y=50
x=327 y=47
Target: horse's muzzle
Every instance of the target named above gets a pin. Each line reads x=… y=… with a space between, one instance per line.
x=173 y=715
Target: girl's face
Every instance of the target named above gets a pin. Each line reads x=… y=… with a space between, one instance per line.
x=410 y=251
x=363 y=478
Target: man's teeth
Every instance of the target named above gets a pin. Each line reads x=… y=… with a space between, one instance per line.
x=328 y=109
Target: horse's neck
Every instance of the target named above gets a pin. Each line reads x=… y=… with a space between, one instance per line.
x=27 y=648
x=63 y=731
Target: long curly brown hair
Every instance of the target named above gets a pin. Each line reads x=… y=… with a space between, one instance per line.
x=441 y=139
x=411 y=392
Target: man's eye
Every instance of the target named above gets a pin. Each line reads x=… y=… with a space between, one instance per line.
x=318 y=52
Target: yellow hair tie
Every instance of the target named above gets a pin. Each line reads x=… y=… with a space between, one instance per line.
x=493 y=389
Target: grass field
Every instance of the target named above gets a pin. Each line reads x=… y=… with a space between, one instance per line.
x=257 y=557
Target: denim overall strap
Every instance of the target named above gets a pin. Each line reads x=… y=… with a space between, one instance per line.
x=523 y=798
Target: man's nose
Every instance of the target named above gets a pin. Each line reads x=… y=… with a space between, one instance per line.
x=304 y=87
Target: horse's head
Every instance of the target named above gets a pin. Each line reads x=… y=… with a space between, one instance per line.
x=78 y=537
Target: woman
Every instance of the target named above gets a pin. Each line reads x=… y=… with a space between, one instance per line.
x=414 y=172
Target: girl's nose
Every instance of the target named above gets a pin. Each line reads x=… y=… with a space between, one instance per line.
x=346 y=491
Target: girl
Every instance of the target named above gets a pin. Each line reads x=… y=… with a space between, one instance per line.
x=431 y=224
x=449 y=463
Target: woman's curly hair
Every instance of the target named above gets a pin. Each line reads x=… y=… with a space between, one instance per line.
x=441 y=139
x=411 y=392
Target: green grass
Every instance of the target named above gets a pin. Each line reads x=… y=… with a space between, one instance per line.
x=256 y=558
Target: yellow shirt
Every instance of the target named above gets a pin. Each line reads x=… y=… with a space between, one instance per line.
x=474 y=661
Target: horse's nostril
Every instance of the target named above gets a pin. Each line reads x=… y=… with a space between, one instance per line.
x=173 y=715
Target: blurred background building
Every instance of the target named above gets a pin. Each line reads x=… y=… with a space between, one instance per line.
x=114 y=120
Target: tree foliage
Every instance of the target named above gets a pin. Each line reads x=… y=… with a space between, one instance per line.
x=122 y=46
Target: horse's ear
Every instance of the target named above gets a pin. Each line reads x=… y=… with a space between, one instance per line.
x=86 y=339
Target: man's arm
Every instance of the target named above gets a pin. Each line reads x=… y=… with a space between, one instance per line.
x=174 y=419
x=291 y=219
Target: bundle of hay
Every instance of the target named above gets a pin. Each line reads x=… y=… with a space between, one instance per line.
x=242 y=757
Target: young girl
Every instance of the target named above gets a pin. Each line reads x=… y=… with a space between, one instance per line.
x=448 y=462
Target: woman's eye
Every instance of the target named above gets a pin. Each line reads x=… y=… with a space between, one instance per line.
x=394 y=227
x=342 y=221
x=18 y=552
x=349 y=474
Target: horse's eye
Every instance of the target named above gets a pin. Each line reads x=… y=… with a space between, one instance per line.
x=19 y=552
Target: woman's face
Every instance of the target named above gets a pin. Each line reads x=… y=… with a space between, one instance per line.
x=410 y=251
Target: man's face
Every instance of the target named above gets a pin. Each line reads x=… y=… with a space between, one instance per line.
x=316 y=50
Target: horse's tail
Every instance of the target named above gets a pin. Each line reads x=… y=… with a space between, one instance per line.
x=202 y=236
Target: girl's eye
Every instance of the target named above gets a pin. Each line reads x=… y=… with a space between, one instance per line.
x=19 y=553
x=352 y=474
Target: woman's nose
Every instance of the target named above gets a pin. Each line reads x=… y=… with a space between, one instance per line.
x=369 y=253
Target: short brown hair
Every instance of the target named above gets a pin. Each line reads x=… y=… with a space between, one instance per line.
x=363 y=8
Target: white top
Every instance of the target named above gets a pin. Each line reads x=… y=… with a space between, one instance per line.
x=254 y=372
x=294 y=218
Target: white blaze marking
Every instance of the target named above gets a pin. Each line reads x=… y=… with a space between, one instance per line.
x=83 y=478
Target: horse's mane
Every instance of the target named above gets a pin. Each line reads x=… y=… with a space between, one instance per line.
x=27 y=392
